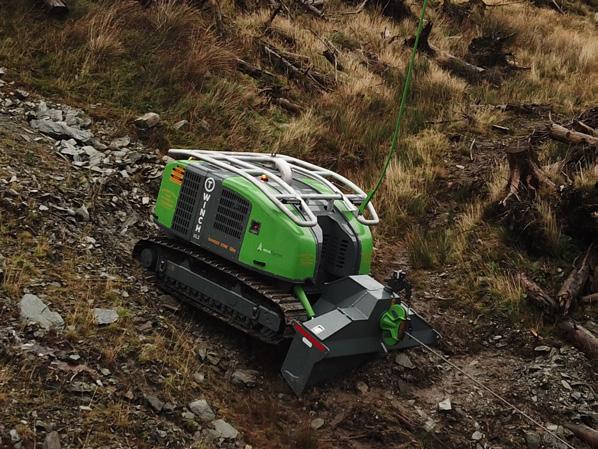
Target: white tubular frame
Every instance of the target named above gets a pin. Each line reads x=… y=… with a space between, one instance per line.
x=249 y=166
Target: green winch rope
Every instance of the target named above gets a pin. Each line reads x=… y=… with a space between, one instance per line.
x=397 y=131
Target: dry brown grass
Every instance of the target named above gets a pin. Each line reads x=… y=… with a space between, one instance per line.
x=168 y=58
x=104 y=36
x=548 y=221
x=506 y=288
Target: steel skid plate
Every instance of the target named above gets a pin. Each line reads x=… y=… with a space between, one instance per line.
x=345 y=332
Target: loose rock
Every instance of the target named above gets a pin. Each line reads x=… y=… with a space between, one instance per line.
x=60 y=130
x=180 y=124
x=202 y=410
x=403 y=360
x=542 y=349
x=52 y=441
x=362 y=387
x=155 y=403
x=120 y=142
x=34 y=309
x=224 y=430
x=533 y=440
x=317 y=423
x=148 y=120
x=477 y=435
x=445 y=405
x=245 y=377
x=105 y=316
x=82 y=213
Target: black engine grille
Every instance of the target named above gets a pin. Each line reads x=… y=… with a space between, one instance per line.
x=232 y=214
x=335 y=259
x=192 y=183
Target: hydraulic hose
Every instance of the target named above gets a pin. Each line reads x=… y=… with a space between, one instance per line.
x=397 y=131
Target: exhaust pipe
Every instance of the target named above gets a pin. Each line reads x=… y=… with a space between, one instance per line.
x=356 y=318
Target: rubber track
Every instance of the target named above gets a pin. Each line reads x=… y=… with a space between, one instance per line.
x=279 y=299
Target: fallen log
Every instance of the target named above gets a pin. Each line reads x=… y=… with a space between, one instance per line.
x=293 y=68
x=563 y=134
x=289 y=106
x=575 y=282
x=584 y=433
x=582 y=338
x=537 y=294
x=444 y=59
x=255 y=72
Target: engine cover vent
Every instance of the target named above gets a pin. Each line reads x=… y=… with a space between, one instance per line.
x=190 y=192
x=232 y=213
x=340 y=254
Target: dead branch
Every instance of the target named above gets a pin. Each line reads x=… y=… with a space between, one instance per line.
x=310 y=7
x=251 y=70
x=288 y=105
x=444 y=59
x=332 y=58
x=584 y=433
x=589 y=117
x=588 y=129
x=56 y=6
x=563 y=134
x=273 y=15
x=582 y=338
x=558 y=7
x=575 y=282
x=356 y=11
x=590 y=299
x=293 y=70
x=537 y=294
x=500 y=128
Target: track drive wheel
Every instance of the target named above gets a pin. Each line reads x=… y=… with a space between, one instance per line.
x=148 y=258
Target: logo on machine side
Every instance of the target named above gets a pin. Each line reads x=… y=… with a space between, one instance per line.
x=208 y=186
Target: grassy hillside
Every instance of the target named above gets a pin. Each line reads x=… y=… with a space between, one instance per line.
x=215 y=65
x=181 y=60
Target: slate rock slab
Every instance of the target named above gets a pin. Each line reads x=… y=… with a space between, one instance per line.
x=34 y=309
x=52 y=441
x=224 y=430
x=245 y=377
x=202 y=410
x=147 y=121
x=105 y=316
x=60 y=130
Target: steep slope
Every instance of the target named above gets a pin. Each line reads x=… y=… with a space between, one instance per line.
x=221 y=67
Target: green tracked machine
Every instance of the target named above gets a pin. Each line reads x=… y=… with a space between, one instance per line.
x=280 y=249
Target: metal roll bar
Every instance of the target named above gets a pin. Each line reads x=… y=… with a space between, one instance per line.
x=252 y=165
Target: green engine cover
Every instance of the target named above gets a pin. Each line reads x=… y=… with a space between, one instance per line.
x=226 y=214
